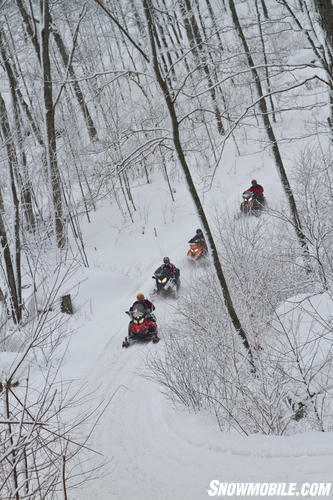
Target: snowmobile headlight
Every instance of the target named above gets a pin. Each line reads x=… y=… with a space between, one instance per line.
x=141 y=321
x=164 y=280
x=196 y=250
x=136 y=321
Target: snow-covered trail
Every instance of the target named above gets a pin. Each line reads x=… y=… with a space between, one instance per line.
x=160 y=453
x=157 y=452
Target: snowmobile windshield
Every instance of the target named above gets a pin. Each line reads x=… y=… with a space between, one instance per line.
x=164 y=273
x=139 y=308
x=247 y=195
x=195 y=245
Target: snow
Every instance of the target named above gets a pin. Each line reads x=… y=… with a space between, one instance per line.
x=154 y=450
x=303 y=327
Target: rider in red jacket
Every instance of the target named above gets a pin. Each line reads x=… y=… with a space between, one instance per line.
x=149 y=306
x=257 y=190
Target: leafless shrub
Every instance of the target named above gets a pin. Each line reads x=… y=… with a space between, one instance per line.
x=203 y=366
x=314 y=192
x=45 y=422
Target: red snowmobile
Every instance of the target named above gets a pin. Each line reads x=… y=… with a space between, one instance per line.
x=251 y=205
x=142 y=326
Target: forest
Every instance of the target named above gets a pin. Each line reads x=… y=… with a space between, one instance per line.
x=98 y=99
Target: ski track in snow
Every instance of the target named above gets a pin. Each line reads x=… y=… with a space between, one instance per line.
x=157 y=452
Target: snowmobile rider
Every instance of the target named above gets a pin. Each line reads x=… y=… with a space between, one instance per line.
x=257 y=190
x=199 y=238
x=140 y=299
x=149 y=306
x=168 y=266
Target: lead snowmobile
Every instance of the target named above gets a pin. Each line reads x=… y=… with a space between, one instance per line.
x=142 y=327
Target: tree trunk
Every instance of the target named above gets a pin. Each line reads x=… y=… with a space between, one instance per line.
x=20 y=171
x=268 y=83
x=264 y=9
x=213 y=18
x=50 y=136
x=15 y=284
x=325 y=11
x=77 y=89
x=195 y=40
x=15 y=305
x=66 y=304
x=32 y=33
x=178 y=146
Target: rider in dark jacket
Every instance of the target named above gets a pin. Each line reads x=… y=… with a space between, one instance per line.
x=199 y=238
x=167 y=265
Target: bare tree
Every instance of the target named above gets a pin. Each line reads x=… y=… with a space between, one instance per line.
x=147 y=4
x=325 y=11
x=50 y=141
x=67 y=60
x=196 y=43
x=322 y=47
x=20 y=171
x=13 y=277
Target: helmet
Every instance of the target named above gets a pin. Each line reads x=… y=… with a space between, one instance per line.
x=140 y=296
x=199 y=232
x=166 y=260
x=253 y=182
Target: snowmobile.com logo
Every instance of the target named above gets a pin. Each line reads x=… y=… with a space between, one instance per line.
x=217 y=488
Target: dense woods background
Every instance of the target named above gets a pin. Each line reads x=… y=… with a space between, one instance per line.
x=99 y=96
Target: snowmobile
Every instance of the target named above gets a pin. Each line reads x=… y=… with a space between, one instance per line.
x=142 y=326
x=251 y=205
x=197 y=251
x=166 y=284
